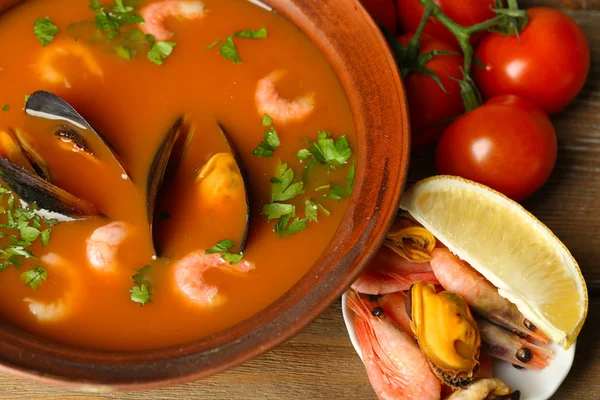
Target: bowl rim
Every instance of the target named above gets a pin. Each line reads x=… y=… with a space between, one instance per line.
x=380 y=114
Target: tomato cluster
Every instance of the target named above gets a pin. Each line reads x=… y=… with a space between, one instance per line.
x=525 y=74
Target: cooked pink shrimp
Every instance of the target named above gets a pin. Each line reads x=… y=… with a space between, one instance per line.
x=189 y=276
x=389 y=273
x=103 y=244
x=504 y=345
x=62 y=307
x=50 y=74
x=282 y=111
x=394 y=362
x=155 y=14
x=394 y=305
x=458 y=277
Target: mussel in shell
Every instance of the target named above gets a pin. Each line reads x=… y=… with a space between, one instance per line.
x=447 y=333
x=25 y=170
x=33 y=189
x=74 y=132
x=220 y=182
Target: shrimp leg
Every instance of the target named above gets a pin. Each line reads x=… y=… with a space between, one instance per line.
x=458 y=277
x=504 y=345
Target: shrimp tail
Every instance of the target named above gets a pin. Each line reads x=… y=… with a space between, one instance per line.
x=504 y=345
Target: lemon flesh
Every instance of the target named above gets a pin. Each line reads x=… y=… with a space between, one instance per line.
x=507 y=245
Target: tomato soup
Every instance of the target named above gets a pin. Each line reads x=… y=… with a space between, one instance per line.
x=162 y=180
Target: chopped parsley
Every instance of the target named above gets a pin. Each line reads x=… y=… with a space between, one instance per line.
x=338 y=191
x=160 y=51
x=283 y=188
x=270 y=142
x=6 y=107
x=223 y=247
x=252 y=34
x=139 y=292
x=110 y=19
x=213 y=44
x=45 y=30
x=229 y=51
x=311 y=211
x=327 y=150
x=123 y=52
x=22 y=227
x=34 y=277
x=284 y=230
x=228 y=48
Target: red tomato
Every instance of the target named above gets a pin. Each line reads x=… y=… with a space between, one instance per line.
x=427 y=102
x=383 y=11
x=508 y=144
x=463 y=12
x=549 y=65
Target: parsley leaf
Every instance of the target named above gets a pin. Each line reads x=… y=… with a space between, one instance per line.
x=252 y=34
x=268 y=145
x=311 y=210
x=229 y=51
x=45 y=30
x=213 y=44
x=284 y=189
x=277 y=210
x=233 y=258
x=123 y=52
x=221 y=246
x=267 y=120
x=338 y=191
x=34 y=277
x=140 y=294
x=95 y=5
x=160 y=51
x=283 y=230
x=46 y=237
x=6 y=107
x=327 y=150
x=28 y=233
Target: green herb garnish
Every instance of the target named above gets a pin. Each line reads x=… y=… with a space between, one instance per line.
x=45 y=30
x=6 y=107
x=160 y=51
x=229 y=51
x=252 y=34
x=311 y=211
x=34 y=277
x=327 y=150
x=283 y=229
x=270 y=142
x=222 y=247
x=338 y=191
x=277 y=210
x=140 y=293
x=110 y=19
x=283 y=188
x=213 y=44
x=123 y=52
x=22 y=227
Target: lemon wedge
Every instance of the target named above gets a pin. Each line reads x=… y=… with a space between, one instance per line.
x=509 y=246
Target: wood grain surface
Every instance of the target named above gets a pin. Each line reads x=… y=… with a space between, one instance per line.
x=320 y=363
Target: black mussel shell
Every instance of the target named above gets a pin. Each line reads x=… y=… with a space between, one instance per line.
x=33 y=189
x=71 y=126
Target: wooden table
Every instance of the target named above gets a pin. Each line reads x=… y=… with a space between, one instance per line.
x=320 y=363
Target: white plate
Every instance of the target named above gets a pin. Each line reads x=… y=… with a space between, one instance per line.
x=534 y=385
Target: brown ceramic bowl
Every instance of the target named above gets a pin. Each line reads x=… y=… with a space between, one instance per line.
x=358 y=53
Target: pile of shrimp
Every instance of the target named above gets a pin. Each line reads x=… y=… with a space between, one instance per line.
x=394 y=362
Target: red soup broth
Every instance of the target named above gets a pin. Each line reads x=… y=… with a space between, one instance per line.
x=133 y=103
